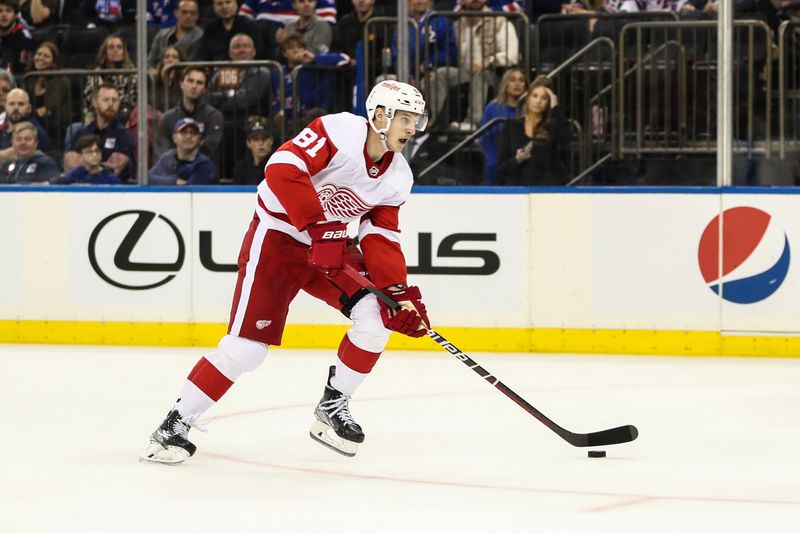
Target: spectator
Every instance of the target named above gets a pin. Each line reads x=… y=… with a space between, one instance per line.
x=511 y=88
x=435 y=40
x=39 y=13
x=510 y=6
x=161 y=13
x=350 y=29
x=184 y=34
x=50 y=95
x=529 y=149
x=214 y=44
x=483 y=44
x=239 y=88
x=90 y=170
x=166 y=82
x=314 y=88
x=315 y=33
x=349 y=38
x=113 y=55
x=27 y=164
x=280 y=12
x=260 y=140
x=6 y=84
x=107 y=13
x=16 y=41
x=207 y=117
x=183 y=165
x=635 y=6
x=18 y=109
x=117 y=141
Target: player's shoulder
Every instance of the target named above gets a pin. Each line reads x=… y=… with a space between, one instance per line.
x=338 y=123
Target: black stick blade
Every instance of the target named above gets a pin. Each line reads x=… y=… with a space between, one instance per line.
x=607 y=437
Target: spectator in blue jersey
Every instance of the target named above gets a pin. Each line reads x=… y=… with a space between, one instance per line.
x=510 y=6
x=117 y=140
x=27 y=163
x=217 y=35
x=91 y=170
x=317 y=34
x=108 y=13
x=315 y=88
x=184 y=164
x=281 y=12
x=16 y=41
x=511 y=87
x=161 y=13
x=239 y=88
x=436 y=40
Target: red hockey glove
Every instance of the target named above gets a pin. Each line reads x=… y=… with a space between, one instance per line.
x=328 y=246
x=412 y=319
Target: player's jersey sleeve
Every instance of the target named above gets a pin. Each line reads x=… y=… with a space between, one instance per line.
x=379 y=237
x=289 y=170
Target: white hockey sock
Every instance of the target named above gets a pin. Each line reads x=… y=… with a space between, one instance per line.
x=193 y=402
x=346 y=380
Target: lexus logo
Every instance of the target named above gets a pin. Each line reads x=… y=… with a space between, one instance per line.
x=122 y=256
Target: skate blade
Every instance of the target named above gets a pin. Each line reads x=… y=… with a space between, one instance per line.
x=324 y=434
x=156 y=453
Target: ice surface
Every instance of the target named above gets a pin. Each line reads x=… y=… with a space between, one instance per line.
x=717 y=451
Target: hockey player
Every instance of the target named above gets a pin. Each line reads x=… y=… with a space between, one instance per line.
x=339 y=169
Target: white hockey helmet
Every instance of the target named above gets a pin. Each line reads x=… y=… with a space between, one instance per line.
x=396 y=96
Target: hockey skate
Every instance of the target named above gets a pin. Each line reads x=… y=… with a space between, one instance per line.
x=169 y=443
x=335 y=427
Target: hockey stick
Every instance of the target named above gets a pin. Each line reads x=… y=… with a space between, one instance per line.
x=605 y=437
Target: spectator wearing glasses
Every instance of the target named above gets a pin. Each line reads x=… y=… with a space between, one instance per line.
x=184 y=164
x=90 y=170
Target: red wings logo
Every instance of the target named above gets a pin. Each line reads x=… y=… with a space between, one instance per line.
x=342 y=204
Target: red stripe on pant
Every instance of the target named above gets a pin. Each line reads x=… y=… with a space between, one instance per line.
x=355 y=358
x=209 y=380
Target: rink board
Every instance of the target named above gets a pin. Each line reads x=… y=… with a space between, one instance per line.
x=549 y=270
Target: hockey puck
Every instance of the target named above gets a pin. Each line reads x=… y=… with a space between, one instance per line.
x=597 y=453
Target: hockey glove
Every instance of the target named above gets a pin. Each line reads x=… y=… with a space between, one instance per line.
x=412 y=319
x=328 y=247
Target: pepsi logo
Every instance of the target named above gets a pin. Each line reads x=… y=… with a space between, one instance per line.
x=755 y=255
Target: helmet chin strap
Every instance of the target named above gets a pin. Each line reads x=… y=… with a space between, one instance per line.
x=382 y=132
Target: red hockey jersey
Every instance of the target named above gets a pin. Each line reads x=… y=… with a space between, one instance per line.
x=324 y=173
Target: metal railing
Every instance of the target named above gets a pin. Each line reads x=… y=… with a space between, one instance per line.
x=321 y=86
x=685 y=47
x=789 y=86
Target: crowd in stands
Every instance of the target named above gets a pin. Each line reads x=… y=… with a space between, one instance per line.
x=218 y=123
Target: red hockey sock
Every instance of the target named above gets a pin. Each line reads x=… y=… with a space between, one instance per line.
x=356 y=358
x=209 y=380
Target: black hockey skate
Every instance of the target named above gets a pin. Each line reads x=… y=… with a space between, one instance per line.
x=335 y=427
x=169 y=443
